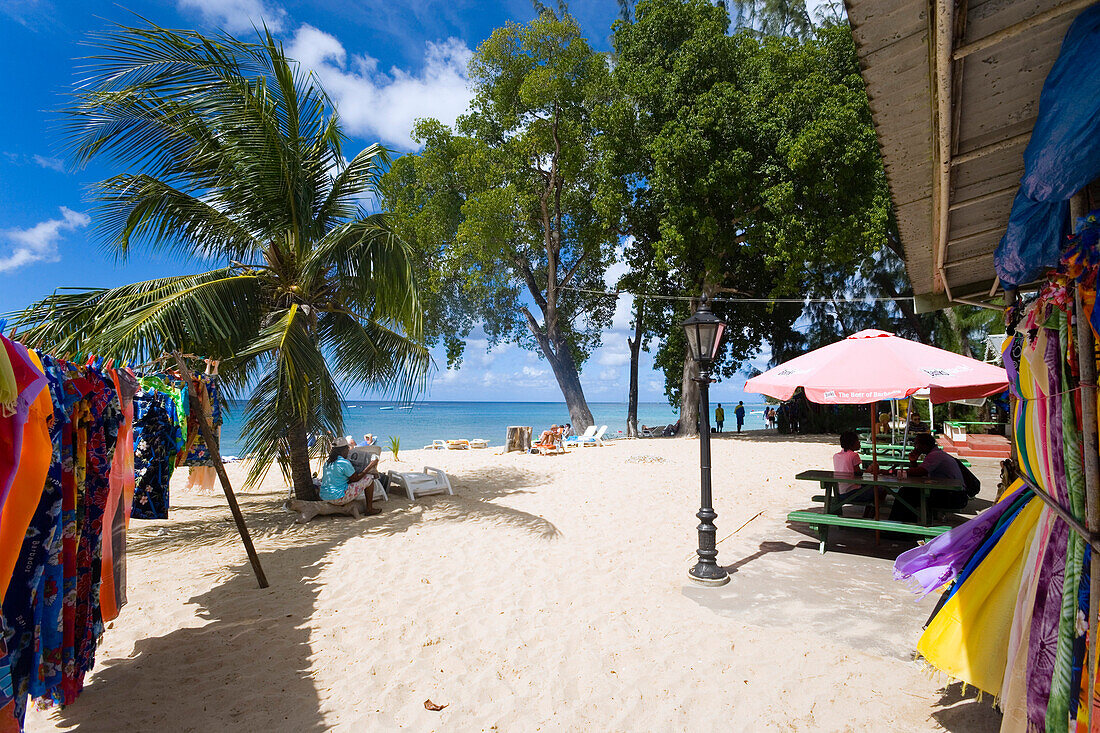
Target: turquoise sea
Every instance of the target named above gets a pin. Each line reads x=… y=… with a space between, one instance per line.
x=422 y=422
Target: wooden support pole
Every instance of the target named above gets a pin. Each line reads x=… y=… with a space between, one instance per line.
x=1086 y=370
x=207 y=432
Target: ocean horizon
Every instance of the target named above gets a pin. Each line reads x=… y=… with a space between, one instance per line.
x=417 y=424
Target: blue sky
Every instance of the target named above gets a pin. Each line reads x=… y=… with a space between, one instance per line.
x=385 y=62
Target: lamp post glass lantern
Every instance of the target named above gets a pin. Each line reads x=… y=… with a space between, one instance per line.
x=704 y=334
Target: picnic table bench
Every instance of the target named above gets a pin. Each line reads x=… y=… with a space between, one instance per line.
x=889 y=449
x=831 y=516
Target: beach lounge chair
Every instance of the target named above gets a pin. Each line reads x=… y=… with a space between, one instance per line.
x=588 y=433
x=479 y=443
x=596 y=439
x=431 y=481
x=437 y=445
x=458 y=444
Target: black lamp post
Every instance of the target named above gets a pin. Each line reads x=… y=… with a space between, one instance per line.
x=704 y=334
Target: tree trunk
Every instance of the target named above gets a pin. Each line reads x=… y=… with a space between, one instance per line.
x=632 y=395
x=569 y=380
x=298 y=456
x=635 y=346
x=689 y=399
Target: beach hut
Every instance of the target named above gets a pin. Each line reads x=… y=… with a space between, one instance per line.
x=987 y=115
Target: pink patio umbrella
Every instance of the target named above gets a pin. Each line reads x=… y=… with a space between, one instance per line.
x=873 y=365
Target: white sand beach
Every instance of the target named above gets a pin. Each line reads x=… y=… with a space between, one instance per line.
x=550 y=593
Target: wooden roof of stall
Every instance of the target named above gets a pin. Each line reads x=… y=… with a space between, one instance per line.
x=954 y=90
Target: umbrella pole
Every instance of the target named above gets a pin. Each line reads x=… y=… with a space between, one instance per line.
x=874 y=465
x=908 y=414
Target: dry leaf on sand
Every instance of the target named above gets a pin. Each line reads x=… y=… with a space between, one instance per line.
x=429 y=705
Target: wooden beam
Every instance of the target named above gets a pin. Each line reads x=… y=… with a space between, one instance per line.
x=955 y=206
x=993 y=147
x=943 y=27
x=1016 y=29
x=967 y=260
x=207 y=432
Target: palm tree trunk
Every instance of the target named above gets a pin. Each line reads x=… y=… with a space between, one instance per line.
x=298 y=457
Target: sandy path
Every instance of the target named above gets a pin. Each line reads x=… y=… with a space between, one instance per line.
x=548 y=594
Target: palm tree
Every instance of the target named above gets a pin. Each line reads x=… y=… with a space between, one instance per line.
x=239 y=162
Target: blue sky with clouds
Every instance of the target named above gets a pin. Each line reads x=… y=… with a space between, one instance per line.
x=386 y=63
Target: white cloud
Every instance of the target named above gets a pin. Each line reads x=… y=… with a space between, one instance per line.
x=610 y=357
x=610 y=375
x=533 y=372
x=54 y=164
x=39 y=243
x=237 y=16
x=385 y=105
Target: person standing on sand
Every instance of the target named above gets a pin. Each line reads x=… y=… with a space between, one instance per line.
x=739 y=413
x=719 y=417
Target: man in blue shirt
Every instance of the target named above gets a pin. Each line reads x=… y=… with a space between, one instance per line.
x=739 y=413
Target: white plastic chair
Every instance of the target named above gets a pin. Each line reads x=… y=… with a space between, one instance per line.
x=596 y=439
x=588 y=434
x=431 y=481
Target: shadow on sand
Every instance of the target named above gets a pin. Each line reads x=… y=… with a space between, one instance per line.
x=257 y=642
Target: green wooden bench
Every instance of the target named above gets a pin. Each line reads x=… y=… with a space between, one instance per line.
x=820 y=522
x=888 y=461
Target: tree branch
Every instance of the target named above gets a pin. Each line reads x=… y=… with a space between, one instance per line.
x=529 y=277
x=572 y=270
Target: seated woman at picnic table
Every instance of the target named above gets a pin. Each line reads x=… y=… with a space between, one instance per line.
x=342 y=484
x=936 y=463
x=847 y=461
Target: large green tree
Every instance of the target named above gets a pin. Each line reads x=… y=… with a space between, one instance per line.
x=234 y=156
x=500 y=211
x=761 y=156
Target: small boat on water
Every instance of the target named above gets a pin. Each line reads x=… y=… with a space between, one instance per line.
x=386 y=408
x=404 y=407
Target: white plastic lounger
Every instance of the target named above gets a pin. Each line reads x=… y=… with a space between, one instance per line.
x=596 y=439
x=479 y=443
x=431 y=481
x=437 y=445
x=588 y=434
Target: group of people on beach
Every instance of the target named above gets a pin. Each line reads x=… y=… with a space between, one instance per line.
x=926 y=459
x=738 y=414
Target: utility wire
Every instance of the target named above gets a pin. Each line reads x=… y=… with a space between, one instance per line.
x=654 y=296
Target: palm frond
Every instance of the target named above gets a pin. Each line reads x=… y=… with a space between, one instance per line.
x=214 y=312
x=140 y=206
x=358 y=178
x=371 y=273
x=365 y=352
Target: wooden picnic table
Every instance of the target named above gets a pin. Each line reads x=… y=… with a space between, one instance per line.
x=831 y=515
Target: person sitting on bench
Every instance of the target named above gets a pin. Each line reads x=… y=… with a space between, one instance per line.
x=937 y=463
x=847 y=461
x=342 y=484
